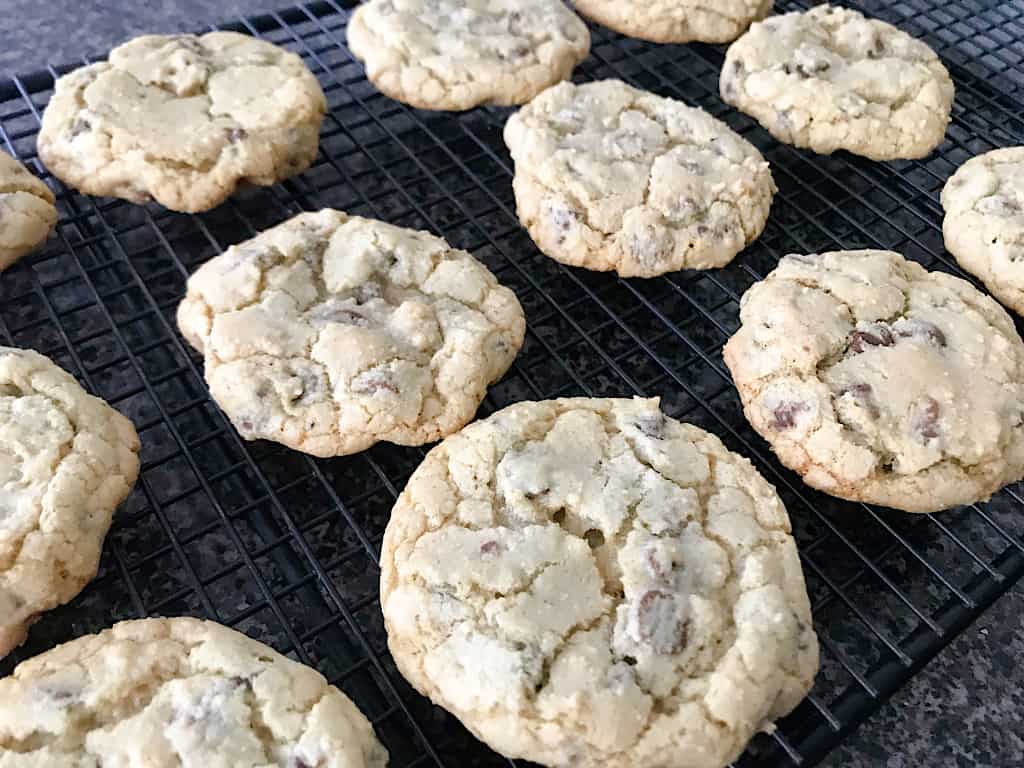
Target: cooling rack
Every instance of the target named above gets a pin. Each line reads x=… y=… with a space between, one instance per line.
x=284 y=547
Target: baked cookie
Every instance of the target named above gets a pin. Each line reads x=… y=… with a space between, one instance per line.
x=609 y=177
x=831 y=79
x=170 y=692
x=458 y=54
x=328 y=333
x=676 y=21
x=27 y=212
x=67 y=459
x=589 y=583
x=984 y=223
x=879 y=381
x=183 y=120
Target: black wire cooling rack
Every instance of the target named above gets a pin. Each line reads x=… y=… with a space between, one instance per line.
x=284 y=547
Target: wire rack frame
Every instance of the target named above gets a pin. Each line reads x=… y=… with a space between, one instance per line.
x=284 y=547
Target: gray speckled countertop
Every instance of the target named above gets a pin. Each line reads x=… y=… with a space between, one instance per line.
x=964 y=709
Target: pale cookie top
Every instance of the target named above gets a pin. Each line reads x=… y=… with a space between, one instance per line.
x=67 y=459
x=183 y=120
x=609 y=177
x=164 y=693
x=457 y=54
x=831 y=79
x=879 y=381
x=984 y=224
x=589 y=583
x=27 y=212
x=328 y=333
x=676 y=21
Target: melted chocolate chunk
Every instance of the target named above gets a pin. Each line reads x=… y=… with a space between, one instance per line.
x=874 y=336
x=660 y=624
x=785 y=413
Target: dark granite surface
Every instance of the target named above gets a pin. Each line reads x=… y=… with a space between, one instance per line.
x=964 y=709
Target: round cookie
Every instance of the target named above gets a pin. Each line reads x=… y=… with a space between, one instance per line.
x=984 y=223
x=183 y=120
x=831 y=79
x=589 y=583
x=67 y=459
x=27 y=212
x=172 y=692
x=328 y=333
x=879 y=381
x=676 y=21
x=609 y=177
x=458 y=54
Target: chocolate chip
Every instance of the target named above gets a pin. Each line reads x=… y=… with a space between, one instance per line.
x=925 y=422
x=630 y=660
x=783 y=121
x=703 y=230
x=737 y=66
x=654 y=563
x=785 y=413
x=332 y=313
x=651 y=424
x=559 y=516
x=877 y=49
x=787 y=68
x=372 y=383
x=864 y=395
x=532 y=495
x=488 y=547
x=920 y=329
x=236 y=135
x=367 y=291
x=563 y=220
x=874 y=336
x=80 y=126
x=594 y=538
x=660 y=623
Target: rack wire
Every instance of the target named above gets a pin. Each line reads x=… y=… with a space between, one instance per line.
x=284 y=547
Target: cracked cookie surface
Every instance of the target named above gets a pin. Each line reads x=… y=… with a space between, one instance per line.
x=27 y=211
x=458 y=54
x=177 y=692
x=831 y=79
x=984 y=222
x=609 y=177
x=183 y=120
x=328 y=333
x=879 y=381
x=67 y=459
x=676 y=21
x=587 y=582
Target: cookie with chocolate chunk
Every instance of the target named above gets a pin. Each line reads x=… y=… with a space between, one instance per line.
x=609 y=177
x=27 y=211
x=879 y=381
x=457 y=54
x=588 y=583
x=183 y=120
x=984 y=222
x=829 y=79
x=177 y=692
x=676 y=21
x=67 y=460
x=328 y=333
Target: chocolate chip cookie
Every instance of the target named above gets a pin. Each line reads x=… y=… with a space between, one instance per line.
x=984 y=223
x=183 y=120
x=609 y=177
x=328 y=333
x=178 y=692
x=67 y=459
x=676 y=21
x=832 y=79
x=457 y=54
x=27 y=212
x=590 y=583
x=879 y=381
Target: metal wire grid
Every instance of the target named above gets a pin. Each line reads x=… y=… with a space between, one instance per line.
x=284 y=547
